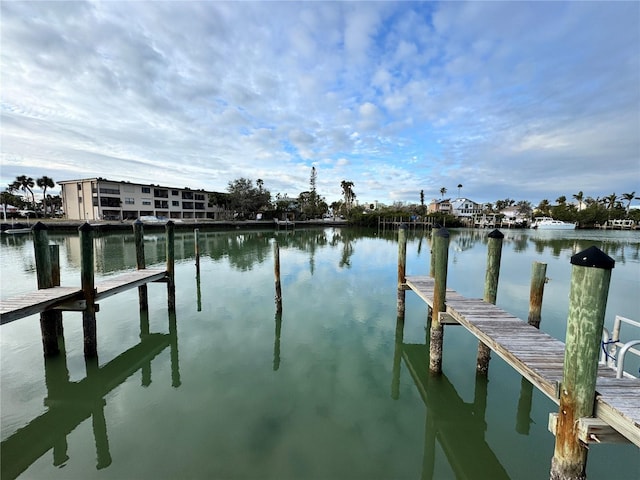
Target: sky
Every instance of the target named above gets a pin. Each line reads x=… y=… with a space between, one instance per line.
x=518 y=100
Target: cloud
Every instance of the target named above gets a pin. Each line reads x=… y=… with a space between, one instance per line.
x=506 y=98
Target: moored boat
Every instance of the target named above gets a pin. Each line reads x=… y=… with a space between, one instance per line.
x=548 y=223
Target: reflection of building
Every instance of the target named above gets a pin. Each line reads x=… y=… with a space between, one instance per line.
x=102 y=199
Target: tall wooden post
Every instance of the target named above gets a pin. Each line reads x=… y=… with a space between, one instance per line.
x=44 y=276
x=276 y=273
x=171 y=260
x=196 y=246
x=88 y=290
x=402 y=265
x=397 y=355
x=441 y=254
x=54 y=253
x=432 y=258
x=494 y=255
x=538 y=279
x=590 y=278
x=138 y=238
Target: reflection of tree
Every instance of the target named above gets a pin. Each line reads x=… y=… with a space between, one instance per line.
x=618 y=250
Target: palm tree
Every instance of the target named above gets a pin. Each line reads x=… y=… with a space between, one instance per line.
x=628 y=197
x=347 y=191
x=442 y=192
x=44 y=183
x=579 y=197
x=561 y=200
x=544 y=207
x=610 y=201
x=459 y=187
x=25 y=184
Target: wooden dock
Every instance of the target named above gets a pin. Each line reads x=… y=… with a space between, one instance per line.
x=70 y=298
x=539 y=358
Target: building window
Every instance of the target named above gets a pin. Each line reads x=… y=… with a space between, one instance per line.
x=146 y=201
x=174 y=192
x=160 y=193
x=161 y=204
x=95 y=201
x=175 y=203
x=109 y=202
x=110 y=191
x=199 y=206
x=187 y=195
x=187 y=205
x=199 y=196
x=79 y=199
x=79 y=186
x=129 y=201
x=146 y=189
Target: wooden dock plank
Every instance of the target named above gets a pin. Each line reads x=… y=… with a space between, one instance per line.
x=39 y=301
x=537 y=356
x=126 y=281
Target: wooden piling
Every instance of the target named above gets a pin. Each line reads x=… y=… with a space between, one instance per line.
x=402 y=266
x=171 y=260
x=441 y=254
x=88 y=290
x=538 y=279
x=276 y=272
x=590 y=278
x=54 y=253
x=196 y=246
x=44 y=276
x=494 y=255
x=138 y=237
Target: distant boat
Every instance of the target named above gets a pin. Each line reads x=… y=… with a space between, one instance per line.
x=11 y=231
x=548 y=223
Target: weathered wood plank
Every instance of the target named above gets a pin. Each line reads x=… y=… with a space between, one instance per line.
x=41 y=300
x=127 y=281
x=38 y=301
x=539 y=358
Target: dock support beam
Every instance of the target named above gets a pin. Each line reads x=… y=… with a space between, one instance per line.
x=171 y=260
x=441 y=254
x=494 y=255
x=402 y=266
x=538 y=279
x=276 y=273
x=88 y=290
x=138 y=237
x=48 y=324
x=590 y=278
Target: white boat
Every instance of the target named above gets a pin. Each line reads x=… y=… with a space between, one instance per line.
x=17 y=230
x=548 y=223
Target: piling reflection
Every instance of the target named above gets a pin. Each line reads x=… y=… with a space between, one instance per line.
x=70 y=403
x=458 y=427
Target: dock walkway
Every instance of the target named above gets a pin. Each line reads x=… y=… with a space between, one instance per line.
x=67 y=298
x=537 y=356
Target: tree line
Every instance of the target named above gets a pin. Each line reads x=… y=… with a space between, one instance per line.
x=46 y=207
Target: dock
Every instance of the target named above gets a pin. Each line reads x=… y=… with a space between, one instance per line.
x=71 y=298
x=51 y=299
x=538 y=357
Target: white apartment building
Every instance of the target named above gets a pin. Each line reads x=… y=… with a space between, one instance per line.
x=463 y=207
x=102 y=199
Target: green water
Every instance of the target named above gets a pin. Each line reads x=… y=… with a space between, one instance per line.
x=331 y=389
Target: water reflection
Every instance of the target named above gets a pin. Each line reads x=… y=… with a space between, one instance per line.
x=69 y=403
x=458 y=427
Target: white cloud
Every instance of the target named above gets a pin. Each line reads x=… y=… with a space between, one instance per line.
x=479 y=93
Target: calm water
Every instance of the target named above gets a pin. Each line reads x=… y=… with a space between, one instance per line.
x=227 y=389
